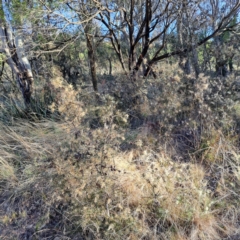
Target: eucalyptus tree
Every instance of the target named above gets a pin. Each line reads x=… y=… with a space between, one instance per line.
x=216 y=10
x=205 y=18
x=160 y=19
x=27 y=30
x=221 y=61
x=154 y=15
x=85 y=10
x=182 y=34
x=187 y=28
x=12 y=32
x=50 y=26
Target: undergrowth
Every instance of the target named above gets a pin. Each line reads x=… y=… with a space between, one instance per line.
x=153 y=159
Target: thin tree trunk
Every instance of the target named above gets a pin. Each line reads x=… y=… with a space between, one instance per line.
x=110 y=66
x=148 y=14
x=195 y=62
x=131 y=57
x=92 y=62
x=221 y=63
x=88 y=27
x=230 y=64
x=1 y=71
x=143 y=41
x=182 y=23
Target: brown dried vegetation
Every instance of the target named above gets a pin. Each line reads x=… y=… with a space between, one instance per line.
x=150 y=160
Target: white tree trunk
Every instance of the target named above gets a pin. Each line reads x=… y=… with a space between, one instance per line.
x=13 y=48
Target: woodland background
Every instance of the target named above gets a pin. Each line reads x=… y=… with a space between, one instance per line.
x=119 y=119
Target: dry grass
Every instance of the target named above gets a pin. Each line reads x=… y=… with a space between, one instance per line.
x=177 y=176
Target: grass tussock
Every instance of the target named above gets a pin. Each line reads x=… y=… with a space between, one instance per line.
x=149 y=160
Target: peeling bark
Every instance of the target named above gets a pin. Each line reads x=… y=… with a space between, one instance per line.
x=13 y=48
